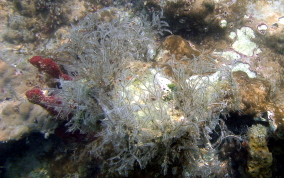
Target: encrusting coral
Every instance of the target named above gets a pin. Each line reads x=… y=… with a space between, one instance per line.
x=18 y=116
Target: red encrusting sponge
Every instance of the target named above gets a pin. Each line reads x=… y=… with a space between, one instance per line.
x=36 y=96
x=49 y=66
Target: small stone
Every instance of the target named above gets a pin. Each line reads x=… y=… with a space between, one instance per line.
x=223 y=23
x=262 y=28
x=281 y=20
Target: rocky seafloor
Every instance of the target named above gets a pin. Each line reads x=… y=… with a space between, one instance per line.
x=146 y=88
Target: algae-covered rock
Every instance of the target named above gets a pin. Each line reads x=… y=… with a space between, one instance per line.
x=260 y=159
x=179 y=47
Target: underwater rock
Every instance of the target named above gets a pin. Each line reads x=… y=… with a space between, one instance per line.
x=179 y=47
x=260 y=159
x=253 y=93
x=19 y=117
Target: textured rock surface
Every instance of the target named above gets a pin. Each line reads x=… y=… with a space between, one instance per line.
x=18 y=116
x=260 y=159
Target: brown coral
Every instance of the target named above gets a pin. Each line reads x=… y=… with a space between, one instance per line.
x=253 y=93
x=254 y=99
x=179 y=47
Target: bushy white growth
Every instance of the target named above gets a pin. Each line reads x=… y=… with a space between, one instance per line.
x=143 y=113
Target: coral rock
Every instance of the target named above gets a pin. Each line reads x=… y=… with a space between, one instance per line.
x=253 y=93
x=179 y=47
x=260 y=159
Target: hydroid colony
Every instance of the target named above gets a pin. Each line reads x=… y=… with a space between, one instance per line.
x=143 y=111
